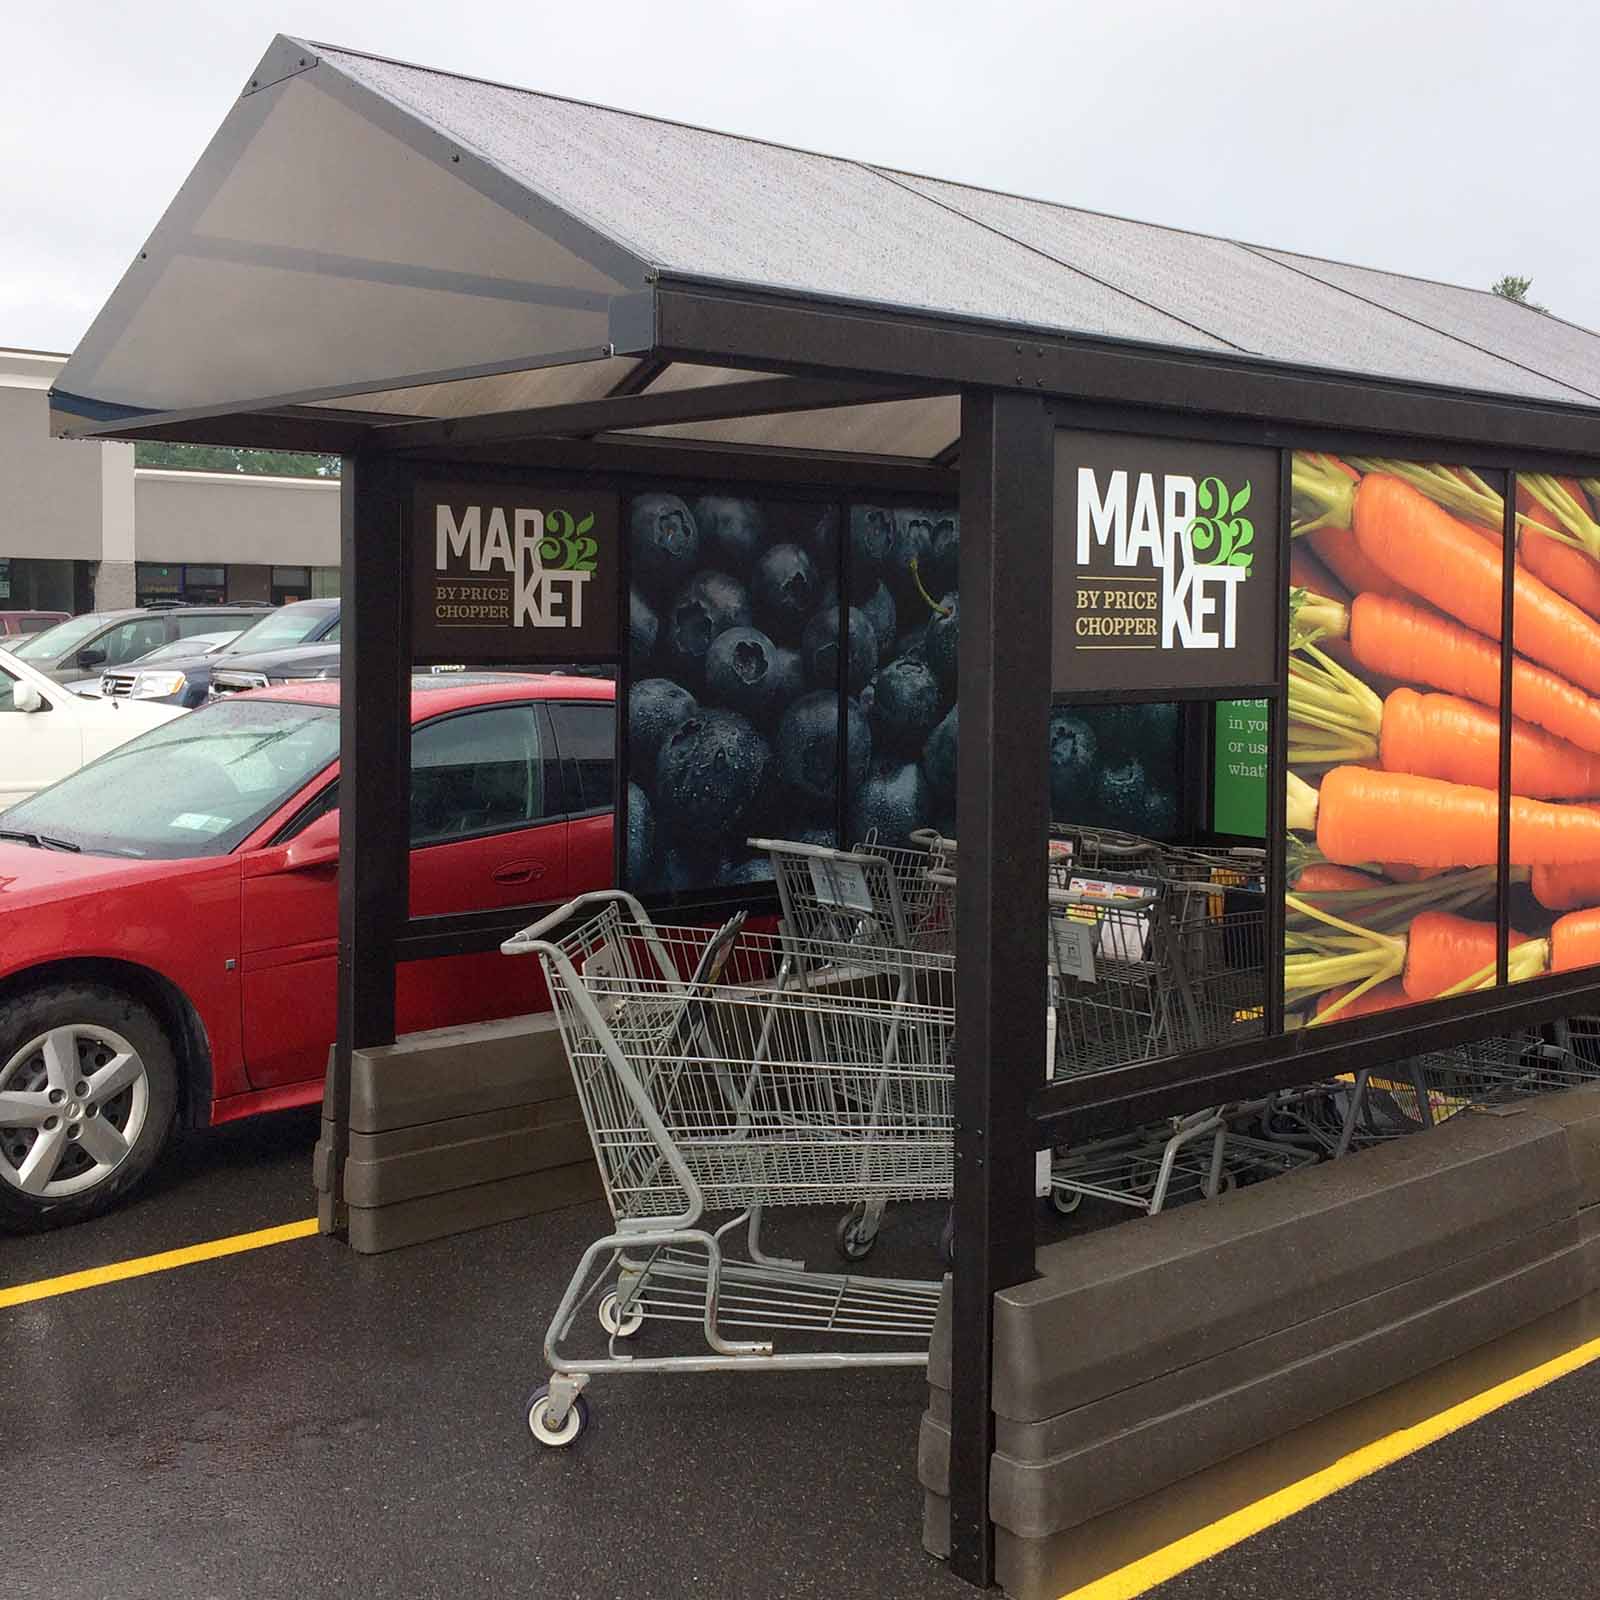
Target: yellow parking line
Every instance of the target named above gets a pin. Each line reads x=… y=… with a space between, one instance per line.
x=1139 y=1576
x=140 y=1266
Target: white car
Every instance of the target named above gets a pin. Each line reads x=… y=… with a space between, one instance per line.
x=47 y=732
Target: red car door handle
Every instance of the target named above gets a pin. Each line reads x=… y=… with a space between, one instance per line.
x=518 y=872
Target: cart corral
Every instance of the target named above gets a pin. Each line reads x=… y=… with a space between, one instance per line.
x=907 y=559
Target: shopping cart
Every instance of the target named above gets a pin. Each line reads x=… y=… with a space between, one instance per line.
x=709 y=1087
x=1220 y=931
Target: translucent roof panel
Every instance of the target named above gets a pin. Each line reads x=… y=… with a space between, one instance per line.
x=1247 y=298
x=1559 y=350
x=505 y=391
x=914 y=428
x=742 y=211
x=316 y=250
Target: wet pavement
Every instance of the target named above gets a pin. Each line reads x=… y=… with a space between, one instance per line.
x=300 y=1420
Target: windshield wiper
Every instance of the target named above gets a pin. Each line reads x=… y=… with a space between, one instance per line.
x=41 y=841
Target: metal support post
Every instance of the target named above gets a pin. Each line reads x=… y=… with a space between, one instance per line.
x=1007 y=473
x=375 y=775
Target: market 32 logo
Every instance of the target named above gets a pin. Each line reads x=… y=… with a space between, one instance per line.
x=541 y=561
x=1190 y=534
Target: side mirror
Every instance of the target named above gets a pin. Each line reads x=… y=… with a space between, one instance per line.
x=26 y=697
x=91 y=658
x=316 y=845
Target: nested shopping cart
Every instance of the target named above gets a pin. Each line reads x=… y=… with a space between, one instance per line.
x=708 y=1087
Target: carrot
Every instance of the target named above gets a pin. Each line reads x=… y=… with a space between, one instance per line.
x=1381 y=997
x=1401 y=641
x=1575 y=941
x=1422 y=546
x=1569 y=571
x=1344 y=557
x=1306 y=572
x=1323 y=877
x=1426 y=822
x=1403 y=872
x=1440 y=736
x=1569 y=887
x=1442 y=949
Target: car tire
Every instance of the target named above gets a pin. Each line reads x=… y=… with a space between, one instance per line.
x=54 y=1044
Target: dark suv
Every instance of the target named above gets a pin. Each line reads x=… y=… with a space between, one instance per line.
x=187 y=680
x=100 y=639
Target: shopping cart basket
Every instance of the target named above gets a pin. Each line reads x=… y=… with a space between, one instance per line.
x=708 y=1087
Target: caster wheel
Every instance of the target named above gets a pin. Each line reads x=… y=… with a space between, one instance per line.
x=1065 y=1201
x=947 y=1239
x=854 y=1241
x=540 y=1426
x=619 y=1327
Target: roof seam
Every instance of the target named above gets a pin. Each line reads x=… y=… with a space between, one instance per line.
x=1033 y=249
x=1417 y=322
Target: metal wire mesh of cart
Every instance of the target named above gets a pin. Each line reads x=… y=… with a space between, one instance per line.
x=927 y=900
x=839 y=897
x=1220 y=933
x=1494 y=1071
x=707 y=1086
x=1108 y=849
x=1117 y=977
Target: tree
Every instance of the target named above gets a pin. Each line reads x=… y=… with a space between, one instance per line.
x=1511 y=287
x=231 y=458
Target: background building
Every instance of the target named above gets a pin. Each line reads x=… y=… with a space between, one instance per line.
x=82 y=527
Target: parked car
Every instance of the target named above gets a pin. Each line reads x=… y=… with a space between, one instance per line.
x=83 y=645
x=13 y=624
x=171 y=911
x=46 y=731
x=296 y=664
x=186 y=679
x=200 y=644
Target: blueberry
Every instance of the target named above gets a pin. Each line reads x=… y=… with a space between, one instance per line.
x=656 y=706
x=819 y=645
x=1159 y=816
x=890 y=803
x=939 y=756
x=641 y=837
x=1074 y=765
x=733 y=530
x=710 y=770
x=787 y=591
x=643 y=627
x=876 y=604
x=944 y=565
x=685 y=868
x=943 y=642
x=708 y=604
x=808 y=746
x=913 y=549
x=871 y=539
x=665 y=541
x=822 y=538
x=743 y=673
x=903 y=704
x=788 y=677
x=745 y=870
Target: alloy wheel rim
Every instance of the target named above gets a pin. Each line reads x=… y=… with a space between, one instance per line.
x=73 y=1103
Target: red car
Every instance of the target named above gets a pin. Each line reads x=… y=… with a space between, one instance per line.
x=15 y=624
x=169 y=914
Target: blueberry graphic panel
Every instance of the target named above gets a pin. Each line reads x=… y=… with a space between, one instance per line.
x=734 y=649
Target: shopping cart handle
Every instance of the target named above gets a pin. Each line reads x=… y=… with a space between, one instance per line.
x=525 y=939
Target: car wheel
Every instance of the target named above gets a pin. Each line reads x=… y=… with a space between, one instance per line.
x=88 y=1095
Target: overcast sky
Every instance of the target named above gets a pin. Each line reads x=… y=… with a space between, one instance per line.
x=1454 y=141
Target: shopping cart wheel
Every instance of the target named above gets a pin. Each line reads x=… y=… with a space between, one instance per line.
x=853 y=1236
x=1065 y=1201
x=619 y=1327
x=540 y=1426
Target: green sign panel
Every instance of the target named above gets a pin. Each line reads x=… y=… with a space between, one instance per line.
x=1239 y=769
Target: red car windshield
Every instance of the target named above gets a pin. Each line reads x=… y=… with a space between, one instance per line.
x=196 y=786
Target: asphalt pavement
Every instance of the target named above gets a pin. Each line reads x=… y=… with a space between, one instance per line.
x=300 y=1420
